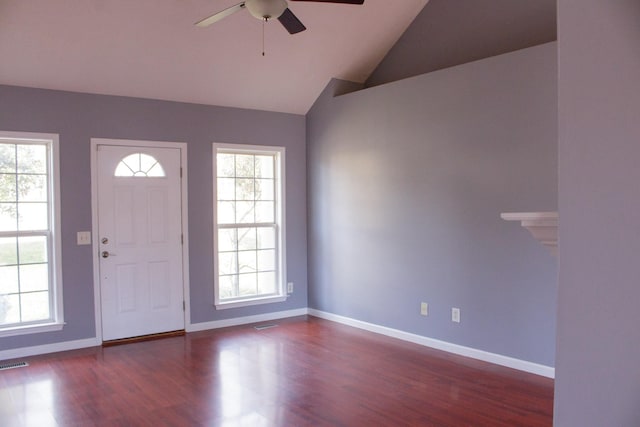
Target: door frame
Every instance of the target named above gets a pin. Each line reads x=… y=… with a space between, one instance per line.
x=95 y=245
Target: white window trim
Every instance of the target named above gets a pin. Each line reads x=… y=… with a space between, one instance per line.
x=56 y=240
x=280 y=221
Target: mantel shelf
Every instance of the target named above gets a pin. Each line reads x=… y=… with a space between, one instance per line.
x=543 y=226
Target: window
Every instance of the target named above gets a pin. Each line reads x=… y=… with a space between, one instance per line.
x=30 y=278
x=249 y=225
x=139 y=165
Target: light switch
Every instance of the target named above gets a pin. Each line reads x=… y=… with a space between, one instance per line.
x=84 y=237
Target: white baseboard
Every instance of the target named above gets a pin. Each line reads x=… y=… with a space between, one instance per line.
x=498 y=359
x=94 y=342
x=48 y=348
x=216 y=324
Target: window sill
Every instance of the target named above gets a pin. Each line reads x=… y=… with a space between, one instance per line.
x=31 y=329
x=250 y=302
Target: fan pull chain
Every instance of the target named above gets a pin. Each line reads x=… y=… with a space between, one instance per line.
x=264 y=22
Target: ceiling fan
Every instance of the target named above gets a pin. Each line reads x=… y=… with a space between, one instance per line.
x=270 y=9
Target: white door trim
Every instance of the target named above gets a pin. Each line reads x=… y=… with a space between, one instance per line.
x=94 y=221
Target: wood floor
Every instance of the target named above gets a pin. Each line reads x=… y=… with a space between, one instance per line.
x=303 y=372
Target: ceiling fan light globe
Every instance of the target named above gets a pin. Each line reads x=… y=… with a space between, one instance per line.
x=266 y=9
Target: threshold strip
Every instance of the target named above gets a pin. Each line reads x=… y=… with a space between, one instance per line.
x=143 y=338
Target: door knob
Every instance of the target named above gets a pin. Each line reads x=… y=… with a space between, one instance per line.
x=106 y=254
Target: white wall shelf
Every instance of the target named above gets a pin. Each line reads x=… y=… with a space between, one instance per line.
x=543 y=226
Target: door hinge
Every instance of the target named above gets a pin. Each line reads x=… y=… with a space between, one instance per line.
x=180 y=172
x=184 y=306
x=182 y=239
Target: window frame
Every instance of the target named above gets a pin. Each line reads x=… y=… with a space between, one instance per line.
x=279 y=224
x=54 y=241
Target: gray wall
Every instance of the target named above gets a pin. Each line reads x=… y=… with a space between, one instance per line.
x=79 y=117
x=452 y=32
x=406 y=183
x=598 y=351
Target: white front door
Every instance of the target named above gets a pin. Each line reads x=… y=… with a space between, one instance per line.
x=140 y=240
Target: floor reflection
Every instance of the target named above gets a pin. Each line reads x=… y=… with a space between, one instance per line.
x=247 y=382
x=28 y=404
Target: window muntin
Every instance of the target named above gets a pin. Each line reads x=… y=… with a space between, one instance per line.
x=139 y=165
x=249 y=226
x=30 y=284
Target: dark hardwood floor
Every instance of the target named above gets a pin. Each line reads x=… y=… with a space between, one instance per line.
x=304 y=372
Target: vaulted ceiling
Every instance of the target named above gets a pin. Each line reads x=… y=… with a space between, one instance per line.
x=151 y=49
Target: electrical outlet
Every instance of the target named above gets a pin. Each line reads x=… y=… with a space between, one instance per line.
x=290 y=287
x=424 y=309
x=455 y=315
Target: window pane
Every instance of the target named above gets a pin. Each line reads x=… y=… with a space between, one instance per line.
x=9 y=280
x=227 y=263
x=265 y=212
x=226 y=189
x=244 y=189
x=32 y=188
x=147 y=162
x=35 y=306
x=9 y=309
x=244 y=165
x=7 y=158
x=266 y=238
x=245 y=212
x=246 y=239
x=8 y=251
x=32 y=249
x=225 y=165
x=156 y=171
x=226 y=212
x=133 y=162
x=32 y=216
x=267 y=283
x=264 y=189
x=247 y=262
x=227 y=239
x=267 y=260
x=123 y=170
x=8 y=217
x=227 y=286
x=34 y=277
x=32 y=158
x=264 y=166
x=248 y=284
x=7 y=187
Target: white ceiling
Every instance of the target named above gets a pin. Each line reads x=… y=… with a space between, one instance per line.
x=151 y=49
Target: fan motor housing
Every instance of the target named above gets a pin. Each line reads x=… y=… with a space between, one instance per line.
x=266 y=9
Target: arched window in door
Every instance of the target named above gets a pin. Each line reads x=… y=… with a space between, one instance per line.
x=140 y=165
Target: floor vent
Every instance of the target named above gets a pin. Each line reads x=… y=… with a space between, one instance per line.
x=5 y=366
x=262 y=327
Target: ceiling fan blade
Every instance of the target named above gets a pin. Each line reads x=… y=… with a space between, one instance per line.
x=291 y=22
x=218 y=16
x=336 y=1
